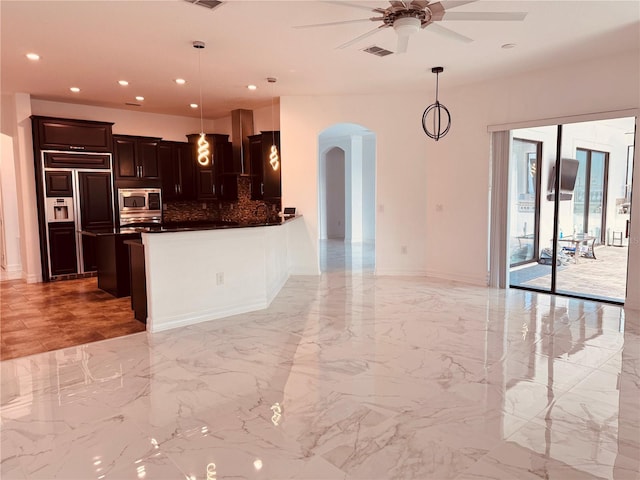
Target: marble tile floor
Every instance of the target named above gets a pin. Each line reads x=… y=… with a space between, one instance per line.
x=344 y=376
x=41 y=317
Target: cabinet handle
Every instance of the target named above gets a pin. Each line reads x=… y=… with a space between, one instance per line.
x=222 y=190
x=262 y=189
x=214 y=188
x=75 y=147
x=175 y=189
x=179 y=189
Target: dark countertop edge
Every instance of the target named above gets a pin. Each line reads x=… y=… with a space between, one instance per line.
x=221 y=227
x=195 y=228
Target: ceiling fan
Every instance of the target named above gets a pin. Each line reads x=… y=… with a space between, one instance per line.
x=408 y=17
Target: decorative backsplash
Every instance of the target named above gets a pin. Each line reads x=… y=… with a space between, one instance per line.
x=243 y=210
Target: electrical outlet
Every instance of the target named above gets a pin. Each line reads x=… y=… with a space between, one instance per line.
x=403 y=249
x=220 y=278
x=204 y=206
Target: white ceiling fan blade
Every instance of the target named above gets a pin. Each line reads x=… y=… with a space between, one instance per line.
x=361 y=37
x=449 y=4
x=485 y=16
x=403 y=43
x=344 y=22
x=445 y=32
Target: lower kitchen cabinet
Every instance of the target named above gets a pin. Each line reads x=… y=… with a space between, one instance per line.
x=138 y=280
x=62 y=245
x=112 y=255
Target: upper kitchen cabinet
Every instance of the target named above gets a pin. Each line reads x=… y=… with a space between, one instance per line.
x=212 y=182
x=136 y=160
x=265 y=173
x=177 y=170
x=66 y=134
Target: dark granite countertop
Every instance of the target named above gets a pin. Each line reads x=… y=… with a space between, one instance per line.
x=186 y=226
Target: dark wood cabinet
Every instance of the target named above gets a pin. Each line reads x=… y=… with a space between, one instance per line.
x=177 y=167
x=265 y=179
x=212 y=182
x=77 y=160
x=136 y=159
x=62 y=246
x=96 y=212
x=138 y=280
x=96 y=200
x=113 y=263
x=68 y=134
x=58 y=184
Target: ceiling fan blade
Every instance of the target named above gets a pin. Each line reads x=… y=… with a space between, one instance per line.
x=449 y=4
x=420 y=3
x=445 y=32
x=361 y=37
x=485 y=16
x=313 y=25
x=398 y=4
x=349 y=4
x=403 y=43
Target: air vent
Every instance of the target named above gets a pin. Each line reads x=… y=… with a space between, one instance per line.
x=210 y=4
x=133 y=104
x=377 y=51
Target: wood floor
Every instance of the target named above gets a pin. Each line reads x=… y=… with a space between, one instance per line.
x=40 y=317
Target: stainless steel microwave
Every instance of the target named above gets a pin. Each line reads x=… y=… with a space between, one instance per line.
x=140 y=204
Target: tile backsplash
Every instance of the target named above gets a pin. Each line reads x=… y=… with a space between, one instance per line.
x=242 y=210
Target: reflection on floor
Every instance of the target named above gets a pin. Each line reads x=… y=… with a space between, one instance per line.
x=604 y=277
x=343 y=377
x=341 y=256
x=40 y=317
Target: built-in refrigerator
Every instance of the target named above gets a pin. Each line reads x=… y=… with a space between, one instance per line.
x=77 y=196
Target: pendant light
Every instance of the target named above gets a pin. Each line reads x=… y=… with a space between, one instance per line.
x=438 y=110
x=274 y=157
x=204 y=154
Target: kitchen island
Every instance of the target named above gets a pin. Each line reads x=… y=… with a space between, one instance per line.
x=198 y=273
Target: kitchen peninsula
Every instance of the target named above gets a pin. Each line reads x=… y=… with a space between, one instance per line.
x=196 y=274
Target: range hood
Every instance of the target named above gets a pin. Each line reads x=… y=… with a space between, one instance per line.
x=241 y=129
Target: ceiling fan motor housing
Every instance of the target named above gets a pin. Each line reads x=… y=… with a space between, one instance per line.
x=406 y=25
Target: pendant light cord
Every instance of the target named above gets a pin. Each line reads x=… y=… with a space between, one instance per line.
x=200 y=82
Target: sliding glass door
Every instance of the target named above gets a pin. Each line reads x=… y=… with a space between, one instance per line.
x=569 y=230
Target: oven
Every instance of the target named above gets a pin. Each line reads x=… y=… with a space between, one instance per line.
x=140 y=206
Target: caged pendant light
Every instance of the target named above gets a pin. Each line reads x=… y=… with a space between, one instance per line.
x=440 y=115
x=274 y=157
x=204 y=153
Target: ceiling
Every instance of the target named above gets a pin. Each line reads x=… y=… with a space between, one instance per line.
x=92 y=44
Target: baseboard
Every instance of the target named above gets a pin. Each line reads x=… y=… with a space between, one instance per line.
x=460 y=278
x=192 y=318
x=10 y=275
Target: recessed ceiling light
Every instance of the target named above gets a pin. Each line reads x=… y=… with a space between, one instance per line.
x=251 y=87
x=124 y=83
x=74 y=89
x=508 y=45
x=139 y=98
x=33 y=56
x=180 y=81
x=193 y=105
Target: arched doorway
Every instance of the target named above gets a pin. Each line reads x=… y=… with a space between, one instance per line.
x=347 y=185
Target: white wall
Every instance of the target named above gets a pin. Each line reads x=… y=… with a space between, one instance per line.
x=433 y=196
x=9 y=215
